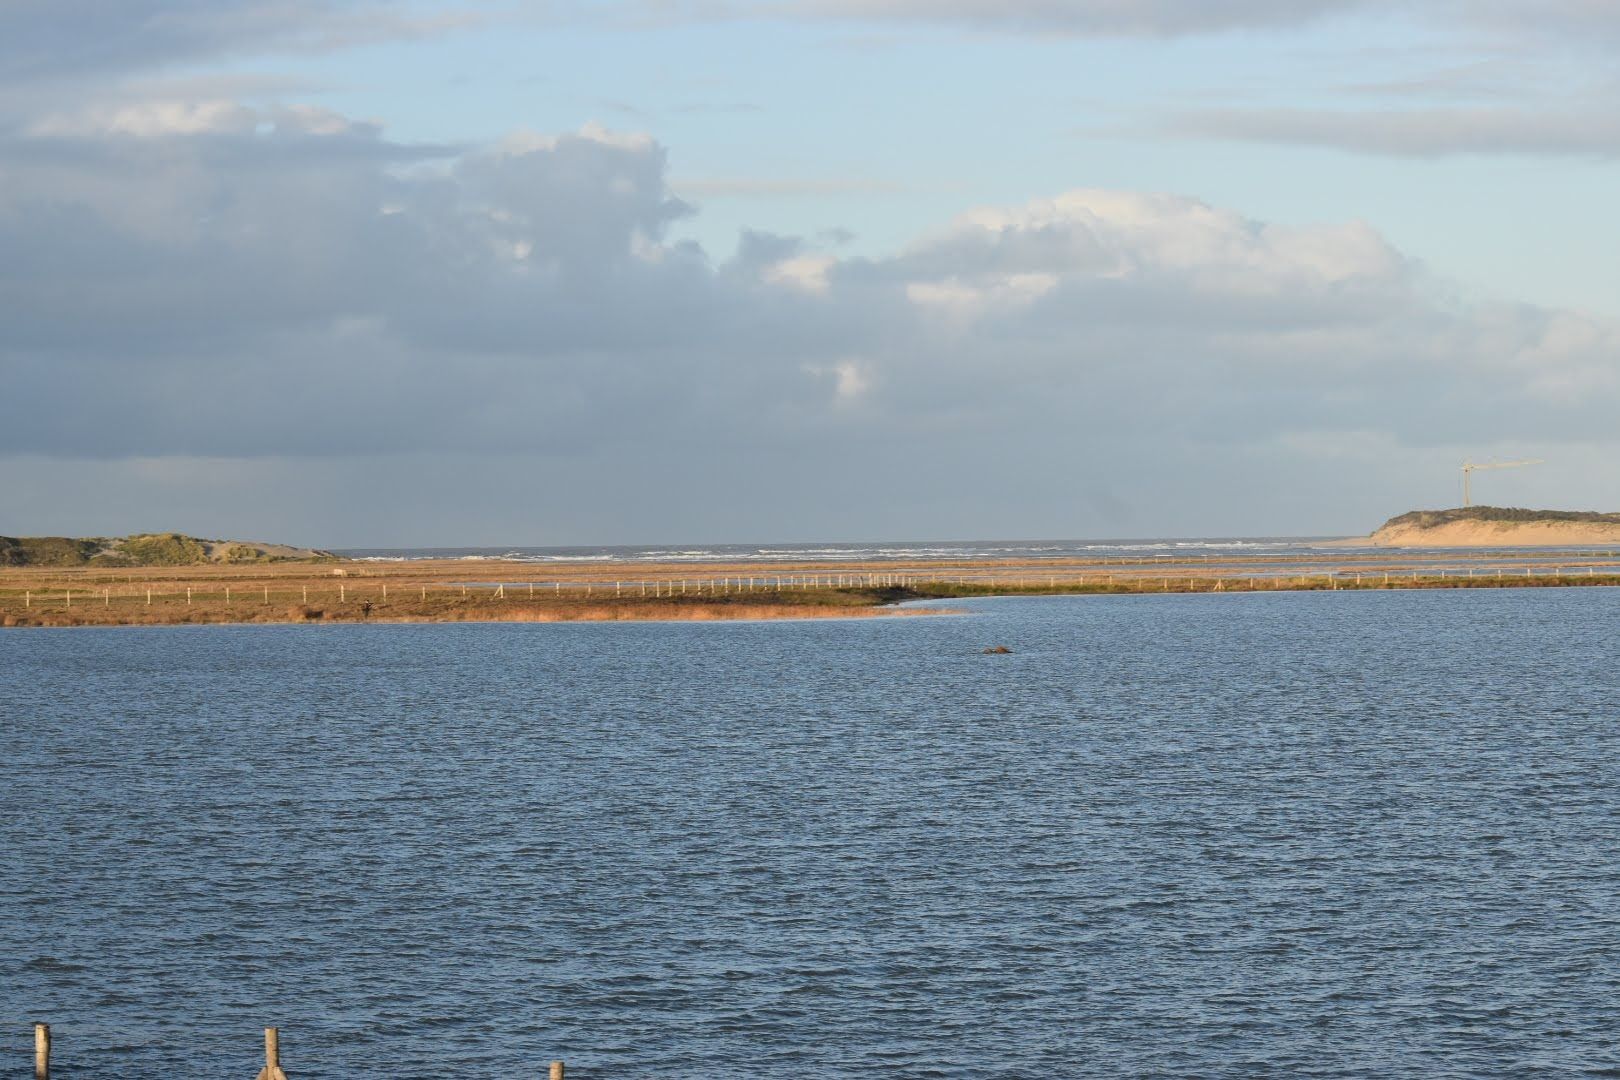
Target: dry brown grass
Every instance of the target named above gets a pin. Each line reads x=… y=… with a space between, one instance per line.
x=462 y=591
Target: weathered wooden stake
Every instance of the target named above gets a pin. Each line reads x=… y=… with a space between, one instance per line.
x=267 y=594
x=556 y=1070
x=106 y=597
x=28 y=598
x=188 y=594
x=42 y=1052
x=343 y=593
x=272 y=1056
x=306 y=594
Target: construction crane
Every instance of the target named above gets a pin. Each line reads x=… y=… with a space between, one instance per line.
x=1471 y=467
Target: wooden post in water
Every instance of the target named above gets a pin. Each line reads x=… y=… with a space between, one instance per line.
x=42 y=1052
x=556 y=1070
x=272 y=1056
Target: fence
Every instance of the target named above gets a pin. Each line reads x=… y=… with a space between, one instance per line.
x=272 y=1056
x=361 y=599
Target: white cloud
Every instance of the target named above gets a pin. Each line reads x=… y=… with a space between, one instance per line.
x=807 y=272
x=851 y=379
x=963 y=299
x=1121 y=235
x=152 y=119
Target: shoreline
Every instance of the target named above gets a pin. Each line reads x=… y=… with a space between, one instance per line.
x=288 y=597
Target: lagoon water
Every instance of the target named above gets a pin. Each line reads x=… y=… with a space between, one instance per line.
x=1303 y=835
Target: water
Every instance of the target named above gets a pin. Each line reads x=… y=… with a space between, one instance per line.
x=889 y=551
x=1315 y=834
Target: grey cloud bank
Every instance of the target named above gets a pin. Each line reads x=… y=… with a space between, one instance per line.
x=1417 y=132
x=307 y=331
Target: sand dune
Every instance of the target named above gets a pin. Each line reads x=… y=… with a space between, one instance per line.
x=1462 y=534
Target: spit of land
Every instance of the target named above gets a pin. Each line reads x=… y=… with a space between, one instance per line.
x=458 y=590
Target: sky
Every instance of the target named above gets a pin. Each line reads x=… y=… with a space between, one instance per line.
x=527 y=272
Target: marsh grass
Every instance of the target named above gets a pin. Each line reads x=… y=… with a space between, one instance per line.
x=321 y=600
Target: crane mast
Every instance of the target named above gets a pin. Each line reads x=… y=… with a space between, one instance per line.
x=1471 y=467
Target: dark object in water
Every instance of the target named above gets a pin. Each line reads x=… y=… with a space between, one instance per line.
x=997 y=650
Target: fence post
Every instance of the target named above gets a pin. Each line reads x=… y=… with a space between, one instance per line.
x=272 y=1055
x=42 y=1052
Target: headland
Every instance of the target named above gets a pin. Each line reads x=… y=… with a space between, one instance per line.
x=1496 y=527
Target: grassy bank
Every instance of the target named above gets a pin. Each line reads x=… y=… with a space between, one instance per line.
x=322 y=601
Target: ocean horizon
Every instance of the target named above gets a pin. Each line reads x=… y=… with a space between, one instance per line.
x=856 y=551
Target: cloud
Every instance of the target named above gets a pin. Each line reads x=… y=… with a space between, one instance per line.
x=1156 y=18
x=1089 y=17
x=306 y=295
x=1416 y=132
x=745 y=187
x=53 y=40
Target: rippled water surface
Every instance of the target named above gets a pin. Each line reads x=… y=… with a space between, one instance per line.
x=1317 y=834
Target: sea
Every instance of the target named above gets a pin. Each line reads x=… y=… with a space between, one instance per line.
x=1315 y=834
x=888 y=551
